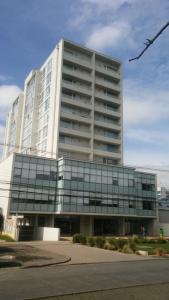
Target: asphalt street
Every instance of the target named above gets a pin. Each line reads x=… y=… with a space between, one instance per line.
x=16 y=284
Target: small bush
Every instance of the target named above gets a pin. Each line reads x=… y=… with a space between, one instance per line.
x=109 y=247
x=100 y=241
x=91 y=241
x=135 y=238
x=127 y=249
x=76 y=238
x=6 y=238
x=83 y=239
x=79 y=238
x=113 y=243
x=132 y=245
x=121 y=243
x=160 y=251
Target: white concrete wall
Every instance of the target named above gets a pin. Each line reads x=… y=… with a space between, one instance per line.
x=5 y=178
x=48 y=234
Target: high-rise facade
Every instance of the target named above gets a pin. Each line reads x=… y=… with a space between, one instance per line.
x=69 y=171
x=73 y=106
x=13 y=127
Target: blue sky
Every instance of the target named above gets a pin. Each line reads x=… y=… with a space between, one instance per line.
x=31 y=29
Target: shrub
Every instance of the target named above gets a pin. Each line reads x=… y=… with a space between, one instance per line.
x=132 y=245
x=135 y=238
x=83 y=239
x=113 y=243
x=160 y=251
x=109 y=247
x=121 y=243
x=6 y=238
x=79 y=238
x=76 y=238
x=91 y=241
x=127 y=249
x=100 y=241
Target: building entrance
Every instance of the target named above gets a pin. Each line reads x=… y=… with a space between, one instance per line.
x=105 y=227
x=68 y=225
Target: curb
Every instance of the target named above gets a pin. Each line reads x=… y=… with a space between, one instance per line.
x=47 y=264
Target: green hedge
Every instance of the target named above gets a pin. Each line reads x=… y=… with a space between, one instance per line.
x=100 y=241
x=120 y=244
x=79 y=238
x=6 y=238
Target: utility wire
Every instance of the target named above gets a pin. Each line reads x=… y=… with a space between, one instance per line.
x=149 y=42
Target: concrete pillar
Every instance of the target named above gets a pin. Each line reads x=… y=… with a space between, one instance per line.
x=35 y=227
x=51 y=221
x=153 y=227
x=121 y=226
x=86 y=225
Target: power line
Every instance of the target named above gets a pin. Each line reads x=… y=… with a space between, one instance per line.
x=149 y=42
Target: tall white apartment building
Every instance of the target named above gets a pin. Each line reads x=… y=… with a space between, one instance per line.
x=73 y=106
x=13 y=127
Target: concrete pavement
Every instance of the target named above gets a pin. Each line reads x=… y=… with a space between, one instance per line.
x=80 y=254
x=27 y=255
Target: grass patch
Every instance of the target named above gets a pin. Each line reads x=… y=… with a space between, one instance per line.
x=151 y=247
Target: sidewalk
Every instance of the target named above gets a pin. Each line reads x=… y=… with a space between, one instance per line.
x=39 y=254
x=80 y=254
x=27 y=255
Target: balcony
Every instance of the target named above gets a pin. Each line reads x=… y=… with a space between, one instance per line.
x=110 y=140
x=107 y=84
x=107 y=154
x=80 y=60
x=77 y=73
x=73 y=116
x=74 y=148
x=109 y=72
x=83 y=103
x=107 y=111
x=104 y=124
x=77 y=88
x=75 y=132
x=110 y=99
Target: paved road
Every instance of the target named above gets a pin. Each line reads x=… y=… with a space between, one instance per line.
x=16 y=284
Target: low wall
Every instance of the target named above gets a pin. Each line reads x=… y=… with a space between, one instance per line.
x=48 y=234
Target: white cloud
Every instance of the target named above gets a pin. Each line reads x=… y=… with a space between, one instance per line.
x=102 y=5
x=103 y=37
x=144 y=105
x=5 y=78
x=8 y=93
x=94 y=11
x=148 y=136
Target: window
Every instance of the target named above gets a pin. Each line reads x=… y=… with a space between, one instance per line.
x=148 y=187
x=115 y=182
x=45 y=131
x=147 y=205
x=48 y=79
x=46 y=104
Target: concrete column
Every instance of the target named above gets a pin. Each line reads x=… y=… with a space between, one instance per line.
x=153 y=227
x=86 y=225
x=121 y=226
x=51 y=220
x=35 y=227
